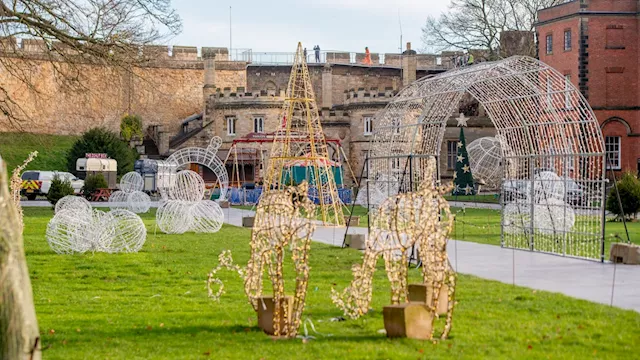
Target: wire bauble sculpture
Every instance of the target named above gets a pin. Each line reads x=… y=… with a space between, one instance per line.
x=130 y=196
x=188 y=186
x=186 y=210
x=80 y=230
x=131 y=181
x=485 y=159
x=174 y=217
x=72 y=202
x=207 y=217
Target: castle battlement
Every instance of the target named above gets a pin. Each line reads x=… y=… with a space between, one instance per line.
x=361 y=95
x=37 y=49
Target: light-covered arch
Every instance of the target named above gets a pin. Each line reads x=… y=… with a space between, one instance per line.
x=551 y=139
x=206 y=157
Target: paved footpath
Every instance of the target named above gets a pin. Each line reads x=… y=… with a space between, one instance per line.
x=581 y=279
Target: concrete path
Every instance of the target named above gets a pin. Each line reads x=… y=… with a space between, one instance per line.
x=583 y=279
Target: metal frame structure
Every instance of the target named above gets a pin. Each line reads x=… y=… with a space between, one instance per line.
x=300 y=117
x=545 y=125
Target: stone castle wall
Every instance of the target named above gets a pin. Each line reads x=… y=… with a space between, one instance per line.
x=162 y=91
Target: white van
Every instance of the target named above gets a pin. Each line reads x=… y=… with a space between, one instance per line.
x=35 y=182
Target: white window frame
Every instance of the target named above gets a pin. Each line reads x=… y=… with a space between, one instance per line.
x=567 y=92
x=368 y=125
x=231 y=125
x=567 y=48
x=258 y=124
x=614 y=143
x=452 y=156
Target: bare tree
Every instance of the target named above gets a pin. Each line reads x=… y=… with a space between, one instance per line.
x=477 y=24
x=73 y=32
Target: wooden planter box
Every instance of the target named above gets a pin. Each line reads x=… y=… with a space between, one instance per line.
x=356 y=241
x=421 y=293
x=266 y=308
x=625 y=253
x=354 y=221
x=247 y=221
x=410 y=320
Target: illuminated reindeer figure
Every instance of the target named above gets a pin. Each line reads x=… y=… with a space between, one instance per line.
x=284 y=218
x=421 y=218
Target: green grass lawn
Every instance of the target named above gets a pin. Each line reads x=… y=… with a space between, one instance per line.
x=153 y=305
x=52 y=150
x=493 y=199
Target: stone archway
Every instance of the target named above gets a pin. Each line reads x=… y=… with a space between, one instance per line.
x=548 y=128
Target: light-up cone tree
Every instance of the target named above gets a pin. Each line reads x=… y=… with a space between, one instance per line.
x=300 y=117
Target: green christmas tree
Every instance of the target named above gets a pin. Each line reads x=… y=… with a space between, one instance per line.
x=462 y=177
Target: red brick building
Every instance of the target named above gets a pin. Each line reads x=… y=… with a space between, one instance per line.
x=595 y=43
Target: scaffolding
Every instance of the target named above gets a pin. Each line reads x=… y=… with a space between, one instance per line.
x=300 y=116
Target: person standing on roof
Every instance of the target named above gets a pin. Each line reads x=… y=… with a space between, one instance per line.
x=367 y=56
x=470 y=61
x=317 y=50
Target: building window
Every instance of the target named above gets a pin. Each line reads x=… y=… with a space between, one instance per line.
x=395 y=164
x=452 y=153
x=567 y=40
x=567 y=92
x=368 y=125
x=395 y=123
x=549 y=44
x=231 y=125
x=258 y=124
x=612 y=147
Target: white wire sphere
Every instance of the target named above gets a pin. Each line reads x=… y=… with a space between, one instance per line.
x=547 y=185
x=485 y=159
x=188 y=186
x=138 y=202
x=174 y=217
x=67 y=232
x=101 y=231
x=207 y=217
x=72 y=202
x=516 y=218
x=553 y=216
x=131 y=181
x=129 y=232
x=118 y=200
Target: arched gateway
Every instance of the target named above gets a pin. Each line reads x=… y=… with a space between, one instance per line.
x=554 y=172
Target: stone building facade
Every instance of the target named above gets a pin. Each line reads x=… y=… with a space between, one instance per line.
x=348 y=96
x=595 y=44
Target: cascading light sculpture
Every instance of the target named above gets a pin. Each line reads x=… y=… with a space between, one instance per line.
x=422 y=218
x=76 y=228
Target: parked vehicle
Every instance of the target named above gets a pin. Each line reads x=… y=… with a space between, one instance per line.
x=520 y=189
x=35 y=182
x=92 y=166
x=158 y=175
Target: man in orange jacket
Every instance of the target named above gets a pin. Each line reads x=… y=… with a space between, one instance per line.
x=367 y=56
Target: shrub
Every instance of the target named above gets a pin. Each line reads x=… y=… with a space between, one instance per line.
x=130 y=127
x=99 y=140
x=629 y=188
x=93 y=183
x=59 y=189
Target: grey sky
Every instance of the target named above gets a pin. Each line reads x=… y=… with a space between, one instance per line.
x=274 y=26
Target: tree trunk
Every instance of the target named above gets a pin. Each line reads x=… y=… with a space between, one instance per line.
x=19 y=335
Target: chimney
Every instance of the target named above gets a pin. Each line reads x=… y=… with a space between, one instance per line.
x=409 y=66
x=208 y=56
